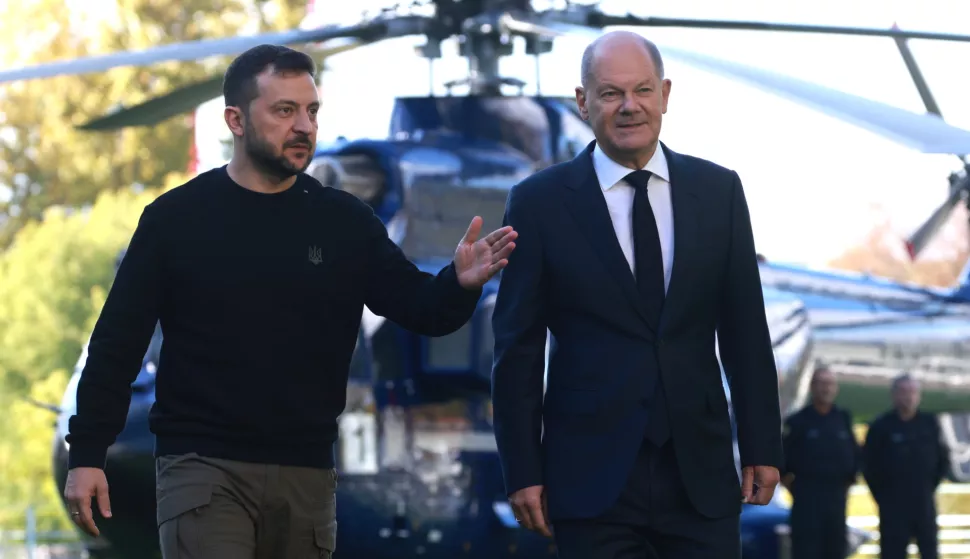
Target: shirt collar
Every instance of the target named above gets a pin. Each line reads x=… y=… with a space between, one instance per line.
x=609 y=172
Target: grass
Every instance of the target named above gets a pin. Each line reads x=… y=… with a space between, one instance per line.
x=861 y=504
x=868 y=402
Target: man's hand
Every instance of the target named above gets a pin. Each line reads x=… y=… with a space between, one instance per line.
x=83 y=484
x=529 y=507
x=477 y=261
x=758 y=484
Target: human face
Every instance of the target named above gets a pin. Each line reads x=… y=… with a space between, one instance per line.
x=824 y=388
x=906 y=396
x=625 y=101
x=281 y=128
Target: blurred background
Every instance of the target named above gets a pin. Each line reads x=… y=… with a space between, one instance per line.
x=826 y=191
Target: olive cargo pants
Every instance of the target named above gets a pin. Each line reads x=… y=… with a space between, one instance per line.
x=211 y=508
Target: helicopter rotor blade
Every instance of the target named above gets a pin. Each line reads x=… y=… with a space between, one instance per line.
x=925 y=233
x=923 y=132
x=182 y=100
x=926 y=133
x=591 y=17
x=922 y=87
x=379 y=28
x=159 y=108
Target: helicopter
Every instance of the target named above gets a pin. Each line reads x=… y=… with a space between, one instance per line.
x=419 y=472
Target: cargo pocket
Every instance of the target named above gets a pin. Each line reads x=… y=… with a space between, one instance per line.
x=325 y=537
x=179 y=515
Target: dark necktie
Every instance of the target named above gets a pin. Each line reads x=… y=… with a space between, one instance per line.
x=649 y=267
x=646 y=241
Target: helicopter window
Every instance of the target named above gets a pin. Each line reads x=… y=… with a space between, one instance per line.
x=357 y=173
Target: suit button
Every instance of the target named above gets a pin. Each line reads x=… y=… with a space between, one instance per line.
x=645 y=403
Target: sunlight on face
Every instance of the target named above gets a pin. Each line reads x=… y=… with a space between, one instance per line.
x=282 y=125
x=825 y=387
x=625 y=98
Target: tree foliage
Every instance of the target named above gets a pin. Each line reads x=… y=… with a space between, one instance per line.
x=44 y=159
x=53 y=282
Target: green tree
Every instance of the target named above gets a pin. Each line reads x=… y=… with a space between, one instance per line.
x=53 y=282
x=44 y=160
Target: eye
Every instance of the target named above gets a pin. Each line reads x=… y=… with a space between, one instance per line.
x=285 y=110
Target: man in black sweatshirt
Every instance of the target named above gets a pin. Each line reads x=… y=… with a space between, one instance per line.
x=258 y=276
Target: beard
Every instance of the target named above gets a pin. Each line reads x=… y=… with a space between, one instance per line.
x=265 y=157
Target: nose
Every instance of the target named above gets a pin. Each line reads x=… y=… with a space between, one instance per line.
x=629 y=104
x=304 y=123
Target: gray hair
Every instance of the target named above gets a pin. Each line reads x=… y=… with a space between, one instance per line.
x=586 y=68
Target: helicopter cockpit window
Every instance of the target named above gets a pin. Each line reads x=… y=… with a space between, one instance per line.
x=358 y=173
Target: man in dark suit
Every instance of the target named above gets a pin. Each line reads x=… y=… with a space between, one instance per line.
x=633 y=256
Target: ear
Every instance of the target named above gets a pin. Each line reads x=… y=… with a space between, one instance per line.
x=581 y=102
x=235 y=120
x=665 y=91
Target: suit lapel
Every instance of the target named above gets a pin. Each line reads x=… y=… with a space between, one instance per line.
x=685 y=200
x=587 y=204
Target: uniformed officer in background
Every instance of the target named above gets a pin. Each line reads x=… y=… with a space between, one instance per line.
x=822 y=459
x=905 y=460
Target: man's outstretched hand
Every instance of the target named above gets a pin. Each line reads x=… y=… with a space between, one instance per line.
x=758 y=484
x=477 y=261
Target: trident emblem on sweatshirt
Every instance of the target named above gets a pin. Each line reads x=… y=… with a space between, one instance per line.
x=316 y=255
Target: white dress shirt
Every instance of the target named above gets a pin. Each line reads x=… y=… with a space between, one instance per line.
x=619 y=200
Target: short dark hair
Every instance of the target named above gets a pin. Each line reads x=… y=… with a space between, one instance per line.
x=901 y=378
x=586 y=68
x=239 y=84
x=820 y=367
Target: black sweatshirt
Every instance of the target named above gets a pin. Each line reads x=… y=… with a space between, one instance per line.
x=260 y=298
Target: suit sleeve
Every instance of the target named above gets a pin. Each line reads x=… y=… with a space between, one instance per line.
x=519 y=326
x=117 y=347
x=745 y=345
x=426 y=304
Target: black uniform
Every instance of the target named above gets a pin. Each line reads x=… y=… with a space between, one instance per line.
x=904 y=463
x=823 y=455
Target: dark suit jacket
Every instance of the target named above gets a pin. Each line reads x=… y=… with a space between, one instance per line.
x=569 y=275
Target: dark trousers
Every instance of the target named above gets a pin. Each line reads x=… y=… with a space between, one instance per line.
x=903 y=519
x=818 y=528
x=652 y=519
x=221 y=509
